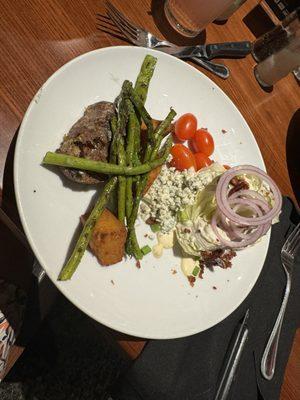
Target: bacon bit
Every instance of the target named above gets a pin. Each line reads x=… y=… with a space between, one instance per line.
x=223 y=131
x=192 y=280
x=238 y=184
x=146 y=235
x=138 y=264
x=200 y=275
x=214 y=287
x=173 y=270
x=220 y=257
x=187 y=230
x=234 y=181
x=112 y=282
x=151 y=221
x=226 y=166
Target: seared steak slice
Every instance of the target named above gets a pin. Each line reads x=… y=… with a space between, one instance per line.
x=89 y=137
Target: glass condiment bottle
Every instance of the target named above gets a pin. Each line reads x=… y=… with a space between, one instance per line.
x=276 y=38
x=279 y=52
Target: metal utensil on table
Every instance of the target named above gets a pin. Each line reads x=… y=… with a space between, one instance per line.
x=140 y=37
x=288 y=253
x=232 y=359
x=210 y=51
x=207 y=51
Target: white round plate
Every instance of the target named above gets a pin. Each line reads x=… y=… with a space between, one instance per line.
x=150 y=302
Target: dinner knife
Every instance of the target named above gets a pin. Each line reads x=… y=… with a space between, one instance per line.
x=210 y=51
x=233 y=359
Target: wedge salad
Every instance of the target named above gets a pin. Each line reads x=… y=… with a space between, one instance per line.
x=163 y=173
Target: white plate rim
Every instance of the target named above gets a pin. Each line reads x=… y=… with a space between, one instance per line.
x=22 y=215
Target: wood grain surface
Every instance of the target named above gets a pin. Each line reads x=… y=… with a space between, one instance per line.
x=38 y=36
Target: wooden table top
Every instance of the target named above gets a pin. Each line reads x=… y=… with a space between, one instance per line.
x=38 y=37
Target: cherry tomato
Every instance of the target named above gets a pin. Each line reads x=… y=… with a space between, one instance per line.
x=203 y=142
x=183 y=158
x=202 y=160
x=185 y=127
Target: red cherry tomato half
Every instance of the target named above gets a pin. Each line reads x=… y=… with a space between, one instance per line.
x=203 y=142
x=183 y=158
x=185 y=127
x=202 y=160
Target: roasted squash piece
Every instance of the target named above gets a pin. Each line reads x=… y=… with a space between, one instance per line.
x=108 y=239
x=151 y=178
x=155 y=123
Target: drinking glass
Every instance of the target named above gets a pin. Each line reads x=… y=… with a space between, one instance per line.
x=189 y=17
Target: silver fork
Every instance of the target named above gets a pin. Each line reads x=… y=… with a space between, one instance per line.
x=143 y=38
x=288 y=253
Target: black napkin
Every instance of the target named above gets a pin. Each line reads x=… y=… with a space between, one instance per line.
x=188 y=368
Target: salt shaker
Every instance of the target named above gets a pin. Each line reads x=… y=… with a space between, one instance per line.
x=278 y=51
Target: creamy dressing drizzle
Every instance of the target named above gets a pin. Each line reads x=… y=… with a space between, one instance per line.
x=164 y=241
x=187 y=265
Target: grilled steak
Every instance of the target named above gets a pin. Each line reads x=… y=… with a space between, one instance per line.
x=89 y=137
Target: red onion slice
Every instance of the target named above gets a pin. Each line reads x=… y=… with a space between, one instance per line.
x=222 y=196
x=236 y=244
x=249 y=193
x=244 y=231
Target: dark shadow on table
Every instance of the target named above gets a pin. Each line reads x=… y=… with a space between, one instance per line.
x=258 y=21
x=221 y=23
x=17 y=261
x=292 y=153
x=9 y=204
x=158 y=14
x=67 y=358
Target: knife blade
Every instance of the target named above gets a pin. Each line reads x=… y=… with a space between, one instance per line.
x=210 y=51
x=233 y=357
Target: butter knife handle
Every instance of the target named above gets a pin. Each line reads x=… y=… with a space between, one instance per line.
x=228 y=49
x=218 y=69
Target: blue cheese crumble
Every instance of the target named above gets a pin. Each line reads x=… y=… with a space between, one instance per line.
x=174 y=190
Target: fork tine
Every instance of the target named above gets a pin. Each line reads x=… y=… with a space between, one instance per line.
x=121 y=17
x=110 y=30
x=295 y=240
x=104 y=16
x=104 y=19
x=291 y=239
x=128 y=34
x=120 y=21
x=113 y=33
x=107 y=26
